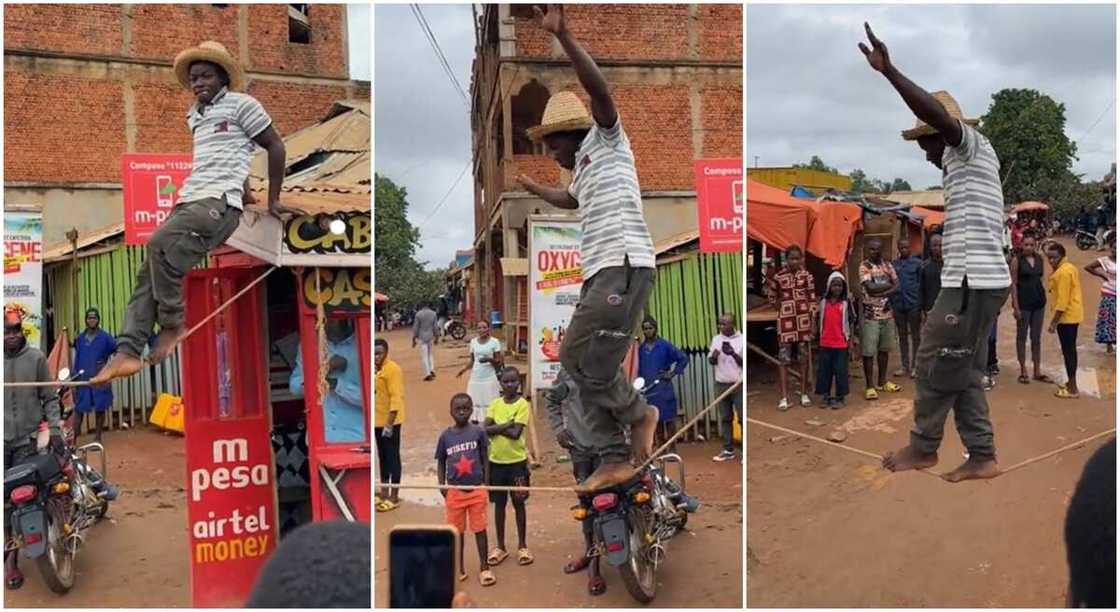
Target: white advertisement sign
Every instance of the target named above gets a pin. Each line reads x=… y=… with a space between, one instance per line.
x=23 y=271
x=555 y=279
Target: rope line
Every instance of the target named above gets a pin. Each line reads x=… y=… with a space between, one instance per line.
x=221 y=308
x=872 y=455
x=569 y=489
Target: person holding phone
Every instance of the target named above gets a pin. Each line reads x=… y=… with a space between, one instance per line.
x=461 y=457
x=726 y=354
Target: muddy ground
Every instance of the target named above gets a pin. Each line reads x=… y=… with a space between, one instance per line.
x=827 y=528
x=137 y=556
x=705 y=563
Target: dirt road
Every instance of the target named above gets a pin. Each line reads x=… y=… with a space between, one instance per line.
x=827 y=528
x=137 y=556
x=705 y=564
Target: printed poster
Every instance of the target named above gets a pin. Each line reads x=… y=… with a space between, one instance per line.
x=555 y=279
x=23 y=271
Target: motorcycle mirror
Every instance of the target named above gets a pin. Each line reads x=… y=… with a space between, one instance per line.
x=639 y=383
x=64 y=373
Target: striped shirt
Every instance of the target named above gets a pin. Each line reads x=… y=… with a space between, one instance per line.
x=605 y=183
x=974 y=214
x=223 y=146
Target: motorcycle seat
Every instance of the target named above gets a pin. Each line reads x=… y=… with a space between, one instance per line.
x=35 y=469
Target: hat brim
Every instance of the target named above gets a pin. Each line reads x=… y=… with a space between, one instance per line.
x=536 y=134
x=184 y=60
x=925 y=130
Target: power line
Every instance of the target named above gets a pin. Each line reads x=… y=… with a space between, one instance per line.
x=1099 y=117
x=440 y=57
x=446 y=195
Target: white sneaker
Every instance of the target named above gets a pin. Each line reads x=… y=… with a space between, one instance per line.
x=724 y=455
x=806 y=401
x=783 y=405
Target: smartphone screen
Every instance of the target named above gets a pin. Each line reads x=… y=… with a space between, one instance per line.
x=421 y=567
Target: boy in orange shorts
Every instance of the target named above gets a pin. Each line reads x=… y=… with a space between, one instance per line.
x=462 y=453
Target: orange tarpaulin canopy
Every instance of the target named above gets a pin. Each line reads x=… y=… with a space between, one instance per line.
x=1029 y=206
x=930 y=217
x=824 y=229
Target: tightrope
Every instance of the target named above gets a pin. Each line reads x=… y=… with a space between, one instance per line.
x=568 y=489
x=872 y=455
x=197 y=326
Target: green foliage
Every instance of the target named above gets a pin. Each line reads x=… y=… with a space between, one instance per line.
x=815 y=163
x=862 y=184
x=1027 y=131
x=397 y=273
x=898 y=185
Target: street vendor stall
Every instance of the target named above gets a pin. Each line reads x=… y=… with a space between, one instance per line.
x=276 y=386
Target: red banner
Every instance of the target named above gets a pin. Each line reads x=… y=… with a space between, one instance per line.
x=151 y=189
x=231 y=508
x=720 y=202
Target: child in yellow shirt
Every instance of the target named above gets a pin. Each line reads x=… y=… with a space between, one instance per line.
x=506 y=420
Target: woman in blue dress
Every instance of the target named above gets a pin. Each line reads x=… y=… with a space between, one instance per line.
x=92 y=349
x=658 y=362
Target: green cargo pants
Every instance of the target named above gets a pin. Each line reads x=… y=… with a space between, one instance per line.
x=193 y=230
x=951 y=362
x=596 y=341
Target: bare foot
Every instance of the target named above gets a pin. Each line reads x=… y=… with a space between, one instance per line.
x=165 y=344
x=120 y=365
x=974 y=469
x=908 y=458
x=607 y=475
x=641 y=435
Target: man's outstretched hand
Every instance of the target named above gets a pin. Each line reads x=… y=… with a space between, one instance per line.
x=877 y=55
x=526 y=182
x=278 y=210
x=553 y=20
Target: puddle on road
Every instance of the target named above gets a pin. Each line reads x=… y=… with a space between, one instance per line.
x=1090 y=381
x=880 y=416
x=424 y=497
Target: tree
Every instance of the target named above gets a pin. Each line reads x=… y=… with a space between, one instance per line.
x=898 y=185
x=1027 y=131
x=862 y=184
x=815 y=163
x=397 y=273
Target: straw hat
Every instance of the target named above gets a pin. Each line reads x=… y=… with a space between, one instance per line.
x=950 y=104
x=564 y=112
x=213 y=52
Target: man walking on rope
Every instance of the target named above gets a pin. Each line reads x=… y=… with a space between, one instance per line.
x=615 y=248
x=952 y=358
x=225 y=125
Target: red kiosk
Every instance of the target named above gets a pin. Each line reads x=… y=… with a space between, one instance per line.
x=260 y=460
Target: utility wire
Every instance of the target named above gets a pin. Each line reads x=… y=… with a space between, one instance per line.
x=440 y=57
x=446 y=195
x=1099 y=117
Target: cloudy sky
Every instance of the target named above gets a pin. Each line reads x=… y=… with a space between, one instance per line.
x=358 y=31
x=811 y=92
x=422 y=137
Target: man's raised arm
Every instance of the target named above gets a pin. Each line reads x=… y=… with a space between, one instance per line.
x=590 y=77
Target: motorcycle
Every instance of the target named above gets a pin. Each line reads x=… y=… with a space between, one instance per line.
x=455 y=329
x=1087 y=241
x=52 y=501
x=632 y=522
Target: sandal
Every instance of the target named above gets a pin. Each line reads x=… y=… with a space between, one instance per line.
x=1024 y=379
x=496 y=557
x=387 y=506
x=13 y=578
x=524 y=557
x=486 y=578
x=573 y=567
x=891 y=387
x=871 y=394
x=596 y=585
x=1042 y=378
x=462 y=577
x=1063 y=393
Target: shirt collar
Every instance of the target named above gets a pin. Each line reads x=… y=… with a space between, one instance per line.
x=217 y=98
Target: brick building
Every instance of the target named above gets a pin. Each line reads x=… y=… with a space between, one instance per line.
x=85 y=83
x=676 y=75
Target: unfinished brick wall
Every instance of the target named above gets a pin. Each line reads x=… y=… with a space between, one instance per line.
x=721 y=118
x=59 y=128
x=614 y=31
x=269 y=48
x=64 y=28
x=161 y=31
x=69 y=122
x=721 y=32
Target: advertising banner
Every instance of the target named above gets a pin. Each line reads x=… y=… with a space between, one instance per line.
x=231 y=508
x=720 y=203
x=23 y=271
x=151 y=189
x=555 y=279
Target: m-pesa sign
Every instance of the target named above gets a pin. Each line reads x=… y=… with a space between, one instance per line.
x=720 y=203
x=151 y=189
x=231 y=509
